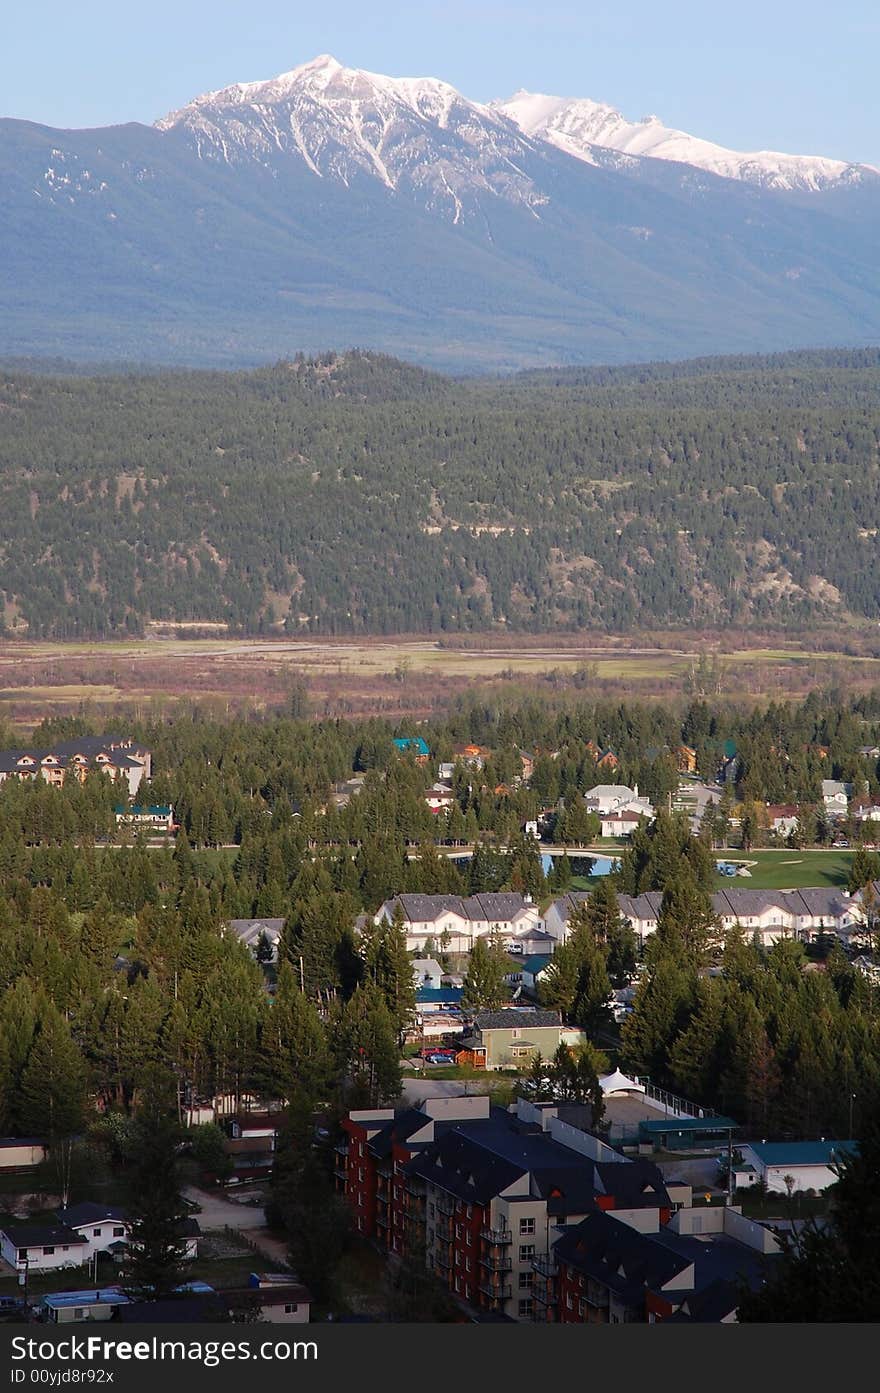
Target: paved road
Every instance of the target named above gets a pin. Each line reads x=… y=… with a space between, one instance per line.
x=218 y=1211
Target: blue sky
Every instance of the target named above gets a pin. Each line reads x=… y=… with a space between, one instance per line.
x=798 y=75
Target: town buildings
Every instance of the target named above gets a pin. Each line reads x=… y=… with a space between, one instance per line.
x=767 y=915
x=526 y=1215
x=458 y=920
x=121 y=757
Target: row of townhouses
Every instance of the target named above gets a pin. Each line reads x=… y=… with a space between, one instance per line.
x=767 y=914
x=525 y=1215
x=121 y=757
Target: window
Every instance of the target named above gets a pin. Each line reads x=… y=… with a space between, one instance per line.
x=470 y=1238
x=458 y=1230
x=96 y=1233
x=526 y=1280
x=569 y=1302
x=291 y=1308
x=526 y=1252
x=458 y=1284
x=467 y=1265
x=515 y=1033
x=22 y=1254
x=526 y=1307
x=47 y=1250
x=79 y=1313
x=527 y=1226
x=430 y=1211
x=119 y=1233
x=469 y=1209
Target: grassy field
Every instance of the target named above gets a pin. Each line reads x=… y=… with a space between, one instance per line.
x=406 y=675
x=782 y=870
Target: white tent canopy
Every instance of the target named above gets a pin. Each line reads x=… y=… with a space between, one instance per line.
x=619 y=1083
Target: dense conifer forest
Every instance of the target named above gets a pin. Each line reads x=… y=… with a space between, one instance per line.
x=355 y=494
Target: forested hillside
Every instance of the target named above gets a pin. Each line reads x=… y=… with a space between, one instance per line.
x=356 y=494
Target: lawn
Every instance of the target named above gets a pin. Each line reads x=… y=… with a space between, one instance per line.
x=787 y=869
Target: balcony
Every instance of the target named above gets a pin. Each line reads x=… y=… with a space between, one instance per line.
x=546 y=1265
x=496 y=1236
x=496 y=1264
x=415 y=1186
x=445 y=1204
x=495 y=1292
x=445 y=1229
x=544 y=1291
x=443 y=1258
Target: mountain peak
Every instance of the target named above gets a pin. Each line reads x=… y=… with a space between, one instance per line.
x=581 y=127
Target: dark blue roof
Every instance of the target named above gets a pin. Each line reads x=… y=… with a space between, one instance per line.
x=440 y=996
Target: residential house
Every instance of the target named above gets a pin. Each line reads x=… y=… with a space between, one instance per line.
x=458 y=920
x=414 y=745
x=782 y=818
x=254 y=933
x=509 y=1038
x=22 y=1153
x=427 y=972
x=835 y=796
x=99 y=1225
x=474 y=756
x=42 y=1247
x=767 y=915
x=271 y=1296
x=121 y=758
x=76 y=1307
x=809 y=1165
x=440 y=798
x=615 y=799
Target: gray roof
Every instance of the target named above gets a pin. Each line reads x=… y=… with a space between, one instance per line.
x=512 y=1019
x=422 y=909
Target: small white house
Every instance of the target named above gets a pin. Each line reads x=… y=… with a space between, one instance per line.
x=42 y=1247
x=807 y=1164
x=427 y=972
x=835 y=796
x=21 y=1153
x=99 y=1225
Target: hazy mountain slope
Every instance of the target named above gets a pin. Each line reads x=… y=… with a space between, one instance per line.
x=332 y=207
x=357 y=494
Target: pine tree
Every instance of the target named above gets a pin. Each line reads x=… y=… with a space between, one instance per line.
x=830 y=1273
x=156 y=1249
x=52 y=1091
x=484 y=985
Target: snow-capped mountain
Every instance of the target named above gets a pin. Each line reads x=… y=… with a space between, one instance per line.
x=415 y=135
x=585 y=128
x=331 y=206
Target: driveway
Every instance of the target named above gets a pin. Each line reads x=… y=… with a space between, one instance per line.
x=218 y=1211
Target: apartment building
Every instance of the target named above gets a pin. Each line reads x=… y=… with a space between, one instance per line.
x=121 y=757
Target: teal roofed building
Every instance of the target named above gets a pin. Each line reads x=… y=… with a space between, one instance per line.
x=413 y=745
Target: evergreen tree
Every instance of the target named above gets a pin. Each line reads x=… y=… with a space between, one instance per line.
x=156 y=1249
x=830 y=1273
x=484 y=985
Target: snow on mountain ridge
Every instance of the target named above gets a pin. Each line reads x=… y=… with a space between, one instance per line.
x=418 y=136
x=578 y=125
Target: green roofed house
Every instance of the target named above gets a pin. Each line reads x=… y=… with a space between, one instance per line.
x=413 y=745
x=807 y=1165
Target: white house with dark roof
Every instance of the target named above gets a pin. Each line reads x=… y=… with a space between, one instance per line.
x=42 y=1247
x=767 y=915
x=461 y=918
